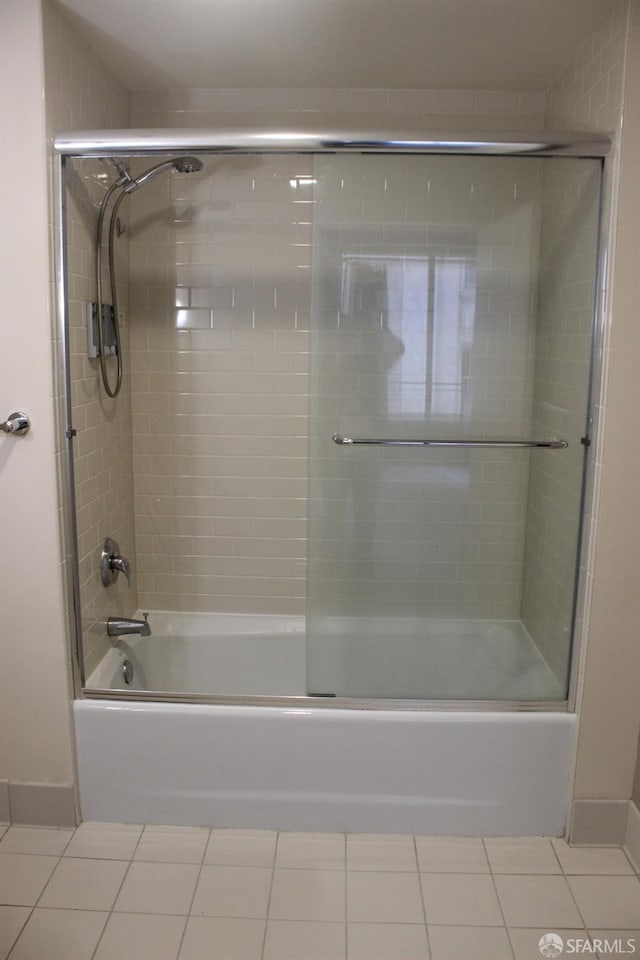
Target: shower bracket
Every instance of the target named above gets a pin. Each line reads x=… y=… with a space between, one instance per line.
x=108 y=330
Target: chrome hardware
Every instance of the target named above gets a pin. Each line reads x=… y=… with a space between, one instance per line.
x=127 y=671
x=104 y=143
x=547 y=444
x=112 y=563
x=123 y=626
x=16 y=423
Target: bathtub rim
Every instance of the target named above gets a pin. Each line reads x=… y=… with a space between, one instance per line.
x=330 y=703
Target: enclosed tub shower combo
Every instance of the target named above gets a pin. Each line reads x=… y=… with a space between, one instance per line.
x=328 y=423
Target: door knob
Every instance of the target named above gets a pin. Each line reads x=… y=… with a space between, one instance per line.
x=16 y=423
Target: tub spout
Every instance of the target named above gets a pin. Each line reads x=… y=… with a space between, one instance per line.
x=122 y=626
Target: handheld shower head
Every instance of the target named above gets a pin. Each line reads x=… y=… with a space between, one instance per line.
x=188 y=165
x=127 y=184
x=181 y=164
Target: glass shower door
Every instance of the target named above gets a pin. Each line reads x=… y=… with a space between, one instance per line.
x=452 y=301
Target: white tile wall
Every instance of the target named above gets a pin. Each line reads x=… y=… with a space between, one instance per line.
x=588 y=93
x=344 y=109
x=82 y=93
x=102 y=448
x=563 y=356
x=220 y=314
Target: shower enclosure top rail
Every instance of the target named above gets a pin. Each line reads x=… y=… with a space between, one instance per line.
x=548 y=444
x=102 y=143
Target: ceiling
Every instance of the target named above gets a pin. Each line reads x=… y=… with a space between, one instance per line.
x=401 y=44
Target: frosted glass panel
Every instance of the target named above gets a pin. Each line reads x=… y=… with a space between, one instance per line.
x=432 y=319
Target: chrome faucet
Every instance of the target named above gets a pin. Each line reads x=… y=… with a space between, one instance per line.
x=122 y=626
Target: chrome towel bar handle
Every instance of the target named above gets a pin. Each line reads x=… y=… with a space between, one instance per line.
x=17 y=424
x=509 y=444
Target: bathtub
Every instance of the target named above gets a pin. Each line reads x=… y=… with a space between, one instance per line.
x=305 y=765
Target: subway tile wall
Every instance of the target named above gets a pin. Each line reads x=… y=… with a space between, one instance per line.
x=435 y=110
x=563 y=359
x=102 y=447
x=220 y=265
x=220 y=344
x=82 y=93
x=588 y=95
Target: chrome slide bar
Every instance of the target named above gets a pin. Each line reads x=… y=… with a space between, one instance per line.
x=517 y=444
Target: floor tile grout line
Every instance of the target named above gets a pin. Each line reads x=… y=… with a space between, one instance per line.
x=495 y=889
x=124 y=877
x=555 y=853
x=588 y=873
x=104 y=927
x=273 y=873
x=422 y=897
x=562 y=874
x=580 y=914
x=346 y=895
x=73 y=833
x=189 y=913
x=129 y=913
x=635 y=871
x=138 y=841
x=35 y=853
x=49 y=879
x=110 y=912
x=20 y=932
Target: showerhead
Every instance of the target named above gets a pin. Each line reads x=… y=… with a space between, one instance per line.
x=181 y=164
x=188 y=165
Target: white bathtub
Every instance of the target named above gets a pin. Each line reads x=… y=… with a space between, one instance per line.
x=246 y=655
x=302 y=767
x=429 y=772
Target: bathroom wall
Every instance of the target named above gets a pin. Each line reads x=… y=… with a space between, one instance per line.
x=82 y=93
x=36 y=757
x=220 y=343
x=600 y=89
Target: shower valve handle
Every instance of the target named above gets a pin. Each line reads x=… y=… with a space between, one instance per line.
x=122 y=565
x=112 y=563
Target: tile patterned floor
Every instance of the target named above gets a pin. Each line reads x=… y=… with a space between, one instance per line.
x=122 y=892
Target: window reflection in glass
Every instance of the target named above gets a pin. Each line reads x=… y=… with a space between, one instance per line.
x=428 y=304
